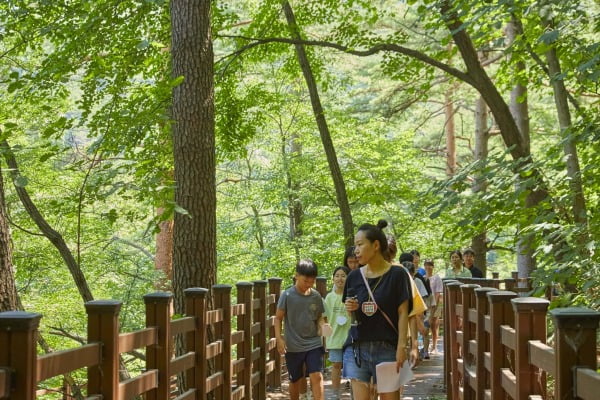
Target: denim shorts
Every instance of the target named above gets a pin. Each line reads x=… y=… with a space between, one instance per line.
x=336 y=355
x=361 y=358
x=301 y=364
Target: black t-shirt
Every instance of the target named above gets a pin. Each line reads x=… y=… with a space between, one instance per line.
x=393 y=289
x=476 y=272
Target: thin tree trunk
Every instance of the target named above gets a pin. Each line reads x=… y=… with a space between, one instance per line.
x=55 y=238
x=450 y=131
x=194 y=232
x=478 y=242
x=295 y=209
x=8 y=290
x=519 y=109
x=579 y=208
x=336 y=174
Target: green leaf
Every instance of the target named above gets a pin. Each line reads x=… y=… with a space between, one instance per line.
x=549 y=37
x=21 y=181
x=181 y=210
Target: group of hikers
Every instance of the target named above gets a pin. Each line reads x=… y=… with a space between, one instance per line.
x=376 y=311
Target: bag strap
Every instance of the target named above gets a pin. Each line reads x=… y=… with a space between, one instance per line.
x=362 y=272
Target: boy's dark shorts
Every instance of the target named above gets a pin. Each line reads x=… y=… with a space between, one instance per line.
x=313 y=359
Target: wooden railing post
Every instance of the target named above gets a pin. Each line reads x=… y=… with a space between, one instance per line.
x=222 y=295
x=500 y=314
x=195 y=305
x=445 y=282
x=158 y=356
x=530 y=324
x=469 y=333
x=483 y=340
x=244 y=324
x=260 y=293
x=274 y=378
x=450 y=327
x=322 y=286
x=495 y=275
x=575 y=338
x=18 y=351
x=103 y=327
x=510 y=283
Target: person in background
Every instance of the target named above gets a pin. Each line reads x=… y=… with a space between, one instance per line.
x=339 y=320
x=436 y=304
x=350 y=259
x=301 y=310
x=417 y=260
x=382 y=317
x=420 y=317
x=457 y=270
x=469 y=259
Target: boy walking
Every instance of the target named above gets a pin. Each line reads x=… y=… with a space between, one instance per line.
x=301 y=309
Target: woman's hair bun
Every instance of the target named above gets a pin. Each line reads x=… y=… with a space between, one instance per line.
x=382 y=223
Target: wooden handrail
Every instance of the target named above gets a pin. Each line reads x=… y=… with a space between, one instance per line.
x=587 y=383
x=61 y=362
x=134 y=340
x=495 y=346
x=257 y=364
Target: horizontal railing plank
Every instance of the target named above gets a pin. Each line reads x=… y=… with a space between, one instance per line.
x=238 y=309
x=189 y=394
x=140 y=384
x=237 y=337
x=587 y=384
x=60 y=362
x=508 y=336
x=214 y=316
x=509 y=382
x=183 y=325
x=214 y=381
x=214 y=349
x=182 y=363
x=138 y=339
x=542 y=356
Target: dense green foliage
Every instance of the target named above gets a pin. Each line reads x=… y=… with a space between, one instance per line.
x=85 y=100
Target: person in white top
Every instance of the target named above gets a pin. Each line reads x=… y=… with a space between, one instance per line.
x=436 y=303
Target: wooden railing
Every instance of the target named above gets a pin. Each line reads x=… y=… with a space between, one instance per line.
x=496 y=347
x=233 y=375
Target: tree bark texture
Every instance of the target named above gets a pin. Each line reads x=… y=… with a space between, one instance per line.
x=163 y=260
x=519 y=108
x=8 y=291
x=334 y=167
x=478 y=242
x=579 y=208
x=52 y=235
x=194 y=233
x=450 y=131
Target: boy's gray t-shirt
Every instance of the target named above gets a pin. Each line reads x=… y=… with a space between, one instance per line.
x=301 y=319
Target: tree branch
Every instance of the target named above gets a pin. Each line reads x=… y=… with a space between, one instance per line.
x=378 y=48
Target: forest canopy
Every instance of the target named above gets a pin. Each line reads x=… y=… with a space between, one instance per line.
x=463 y=124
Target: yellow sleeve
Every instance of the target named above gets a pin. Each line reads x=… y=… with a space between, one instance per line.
x=419 y=306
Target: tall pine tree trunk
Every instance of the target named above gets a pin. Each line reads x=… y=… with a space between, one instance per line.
x=194 y=231
x=334 y=167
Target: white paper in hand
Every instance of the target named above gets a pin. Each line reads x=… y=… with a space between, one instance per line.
x=388 y=380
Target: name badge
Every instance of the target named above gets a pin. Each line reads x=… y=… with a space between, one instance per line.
x=369 y=308
x=341 y=320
